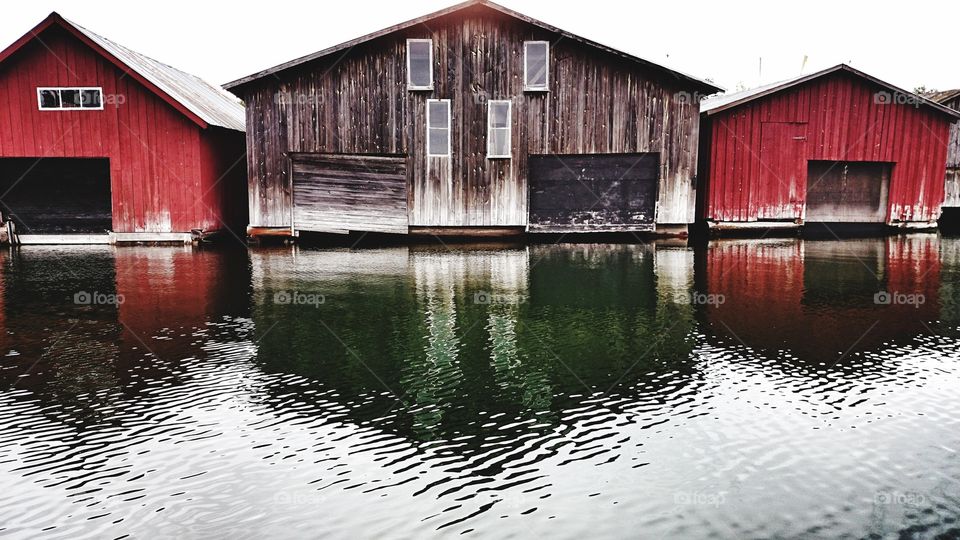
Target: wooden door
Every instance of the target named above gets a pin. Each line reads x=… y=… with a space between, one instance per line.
x=340 y=193
x=847 y=192
x=593 y=192
x=783 y=172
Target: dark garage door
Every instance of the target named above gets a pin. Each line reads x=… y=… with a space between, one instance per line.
x=593 y=192
x=847 y=192
x=56 y=195
x=335 y=193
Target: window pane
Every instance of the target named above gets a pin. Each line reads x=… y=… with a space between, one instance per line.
x=536 y=59
x=439 y=142
x=499 y=142
x=49 y=99
x=420 y=66
x=439 y=115
x=499 y=114
x=91 y=98
x=70 y=98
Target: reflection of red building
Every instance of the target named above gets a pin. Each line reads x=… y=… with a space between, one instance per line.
x=817 y=300
x=176 y=290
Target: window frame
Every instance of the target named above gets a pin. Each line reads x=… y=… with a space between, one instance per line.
x=546 y=85
x=449 y=152
x=410 y=85
x=59 y=90
x=508 y=129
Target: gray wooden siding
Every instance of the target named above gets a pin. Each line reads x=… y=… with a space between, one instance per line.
x=359 y=103
x=952 y=198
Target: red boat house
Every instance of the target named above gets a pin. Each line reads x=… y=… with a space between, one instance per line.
x=101 y=144
x=837 y=146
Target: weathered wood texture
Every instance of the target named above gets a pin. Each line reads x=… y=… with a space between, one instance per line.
x=598 y=193
x=847 y=192
x=358 y=102
x=349 y=193
x=952 y=190
x=166 y=173
x=845 y=121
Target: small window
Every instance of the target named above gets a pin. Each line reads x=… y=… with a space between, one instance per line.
x=49 y=99
x=59 y=99
x=536 y=66
x=438 y=127
x=420 y=64
x=498 y=129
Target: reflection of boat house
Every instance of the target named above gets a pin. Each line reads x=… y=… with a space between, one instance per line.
x=815 y=298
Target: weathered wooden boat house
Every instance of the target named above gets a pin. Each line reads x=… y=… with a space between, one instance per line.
x=951 y=200
x=472 y=120
x=836 y=146
x=101 y=144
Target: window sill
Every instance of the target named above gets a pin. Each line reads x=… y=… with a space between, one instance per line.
x=537 y=90
x=420 y=89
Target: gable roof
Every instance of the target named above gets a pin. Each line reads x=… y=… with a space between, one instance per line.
x=203 y=103
x=718 y=104
x=700 y=84
x=943 y=97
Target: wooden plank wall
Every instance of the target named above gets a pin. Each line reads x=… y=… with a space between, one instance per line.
x=155 y=153
x=357 y=102
x=952 y=190
x=845 y=123
x=334 y=193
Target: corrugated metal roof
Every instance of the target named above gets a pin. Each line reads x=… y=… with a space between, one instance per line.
x=719 y=103
x=687 y=79
x=211 y=103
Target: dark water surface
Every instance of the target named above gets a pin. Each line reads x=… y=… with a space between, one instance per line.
x=745 y=389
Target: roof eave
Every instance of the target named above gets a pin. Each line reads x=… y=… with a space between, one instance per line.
x=840 y=67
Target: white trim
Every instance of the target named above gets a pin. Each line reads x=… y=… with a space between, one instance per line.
x=509 y=129
x=449 y=134
x=59 y=89
x=546 y=86
x=411 y=86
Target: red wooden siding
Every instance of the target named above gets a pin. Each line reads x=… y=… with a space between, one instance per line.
x=753 y=145
x=161 y=166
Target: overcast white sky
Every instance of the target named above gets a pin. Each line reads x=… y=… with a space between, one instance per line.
x=905 y=43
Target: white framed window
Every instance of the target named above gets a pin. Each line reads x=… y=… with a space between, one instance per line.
x=420 y=64
x=87 y=98
x=438 y=127
x=536 y=66
x=499 y=115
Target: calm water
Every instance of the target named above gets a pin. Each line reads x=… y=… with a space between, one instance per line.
x=746 y=389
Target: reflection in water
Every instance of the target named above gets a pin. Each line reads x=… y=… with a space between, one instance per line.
x=740 y=389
